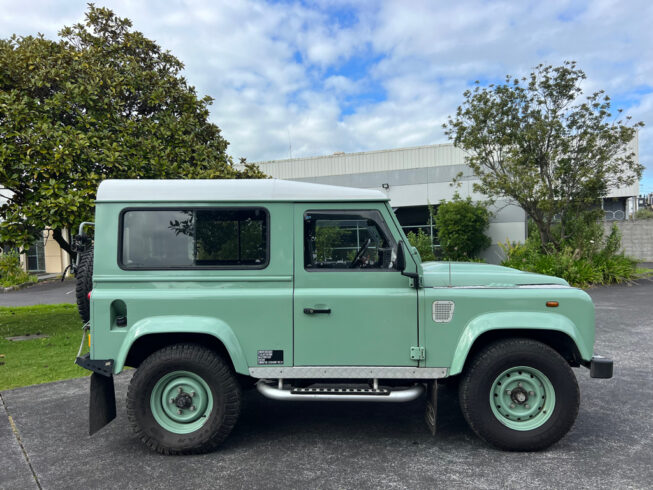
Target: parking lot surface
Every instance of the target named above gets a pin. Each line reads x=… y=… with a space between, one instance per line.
x=353 y=445
x=51 y=292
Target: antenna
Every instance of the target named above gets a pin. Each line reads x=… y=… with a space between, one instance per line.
x=449 y=272
x=289 y=143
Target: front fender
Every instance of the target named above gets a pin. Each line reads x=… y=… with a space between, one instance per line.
x=184 y=324
x=517 y=320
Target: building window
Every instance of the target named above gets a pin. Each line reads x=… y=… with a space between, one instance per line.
x=415 y=218
x=214 y=238
x=36 y=257
x=347 y=240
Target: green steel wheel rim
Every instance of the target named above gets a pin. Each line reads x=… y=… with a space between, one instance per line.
x=522 y=398
x=181 y=402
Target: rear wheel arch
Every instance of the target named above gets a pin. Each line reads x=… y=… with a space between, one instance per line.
x=146 y=345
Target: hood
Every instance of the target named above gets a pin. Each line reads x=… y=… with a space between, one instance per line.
x=436 y=274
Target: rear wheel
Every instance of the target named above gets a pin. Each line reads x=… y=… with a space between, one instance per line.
x=519 y=395
x=183 y=399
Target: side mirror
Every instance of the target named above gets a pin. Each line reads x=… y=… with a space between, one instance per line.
x=400 y=262
x=401 y=265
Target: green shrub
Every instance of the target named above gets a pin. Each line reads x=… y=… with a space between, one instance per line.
x=422 y=242
x=644 y=213
x=596 y=263
x=11 y=272
x=461 y=226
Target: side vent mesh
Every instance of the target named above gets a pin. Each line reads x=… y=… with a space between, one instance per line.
x=442 y=311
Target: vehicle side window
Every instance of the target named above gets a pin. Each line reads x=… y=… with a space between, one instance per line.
x=233 y=238
x=348 y=240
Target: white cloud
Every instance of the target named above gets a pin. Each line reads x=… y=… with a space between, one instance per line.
x=284 y=69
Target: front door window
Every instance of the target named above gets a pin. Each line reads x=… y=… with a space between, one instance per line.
x=347 y=241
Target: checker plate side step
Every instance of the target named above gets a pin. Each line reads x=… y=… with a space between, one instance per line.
x=340 y=391
x=340 y=394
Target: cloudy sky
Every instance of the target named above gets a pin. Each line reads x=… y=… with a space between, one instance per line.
x=313 y=78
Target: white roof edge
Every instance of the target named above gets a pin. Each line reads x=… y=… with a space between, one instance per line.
x=228 y=190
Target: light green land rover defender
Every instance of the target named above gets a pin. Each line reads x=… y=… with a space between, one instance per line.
x=311 y=293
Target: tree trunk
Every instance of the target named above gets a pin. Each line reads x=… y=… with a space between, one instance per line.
x=546 y=237
x=57 y=234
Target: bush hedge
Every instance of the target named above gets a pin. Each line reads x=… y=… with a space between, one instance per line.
x=11 y=272
x=599 y=262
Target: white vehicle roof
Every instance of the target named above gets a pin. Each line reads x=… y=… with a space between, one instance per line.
x=228 y=190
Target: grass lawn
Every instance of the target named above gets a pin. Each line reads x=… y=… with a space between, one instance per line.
x=36 y=361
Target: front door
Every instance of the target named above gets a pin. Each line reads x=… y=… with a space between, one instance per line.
x=352 y=307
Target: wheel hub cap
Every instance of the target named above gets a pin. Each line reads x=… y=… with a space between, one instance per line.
x=181 y=402
x=522 y=398
x=519 y=396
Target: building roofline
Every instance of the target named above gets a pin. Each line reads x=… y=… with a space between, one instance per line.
x=358 y=153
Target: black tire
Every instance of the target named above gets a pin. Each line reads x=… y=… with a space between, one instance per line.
x=202 y=362
x=476 y=388
x=84 y=284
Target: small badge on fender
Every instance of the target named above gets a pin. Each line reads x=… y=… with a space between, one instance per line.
x=270 y=357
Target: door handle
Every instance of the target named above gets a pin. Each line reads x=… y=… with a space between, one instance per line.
x=313 y=311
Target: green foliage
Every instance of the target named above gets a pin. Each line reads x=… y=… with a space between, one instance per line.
x=102 y=102
x=598 y=263
x=644 y=213
x=326 y=239
x=533 y=141
x=39 y=360
x=422 y=242
x=11 y=272
x=461 y=226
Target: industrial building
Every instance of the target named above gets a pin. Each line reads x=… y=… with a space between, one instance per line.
x=414 y=178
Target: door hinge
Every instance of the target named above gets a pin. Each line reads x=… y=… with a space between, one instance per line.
x=417 y=353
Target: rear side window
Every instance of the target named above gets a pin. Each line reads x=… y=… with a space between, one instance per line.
x=233 y=238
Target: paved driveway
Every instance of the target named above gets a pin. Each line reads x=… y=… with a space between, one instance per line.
x=47 y=293
x=305 y=445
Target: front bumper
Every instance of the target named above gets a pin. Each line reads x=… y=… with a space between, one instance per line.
x=600 y=367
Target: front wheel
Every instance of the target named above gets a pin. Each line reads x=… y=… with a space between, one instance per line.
x=519 y=395
x=183 y=399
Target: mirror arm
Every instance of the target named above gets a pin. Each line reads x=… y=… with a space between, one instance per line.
x=401 y=257
x=414 y=276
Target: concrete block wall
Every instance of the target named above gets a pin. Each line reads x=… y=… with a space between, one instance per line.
x=637 y=238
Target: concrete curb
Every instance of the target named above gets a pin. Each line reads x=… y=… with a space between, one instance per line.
x=40 y=280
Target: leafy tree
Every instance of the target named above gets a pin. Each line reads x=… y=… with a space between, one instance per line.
x=423 y=243
x=102 y=102
x=461 y=226
x=535 y=142
x=326 y=239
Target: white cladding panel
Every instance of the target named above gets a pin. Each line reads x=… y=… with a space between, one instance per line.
x=395 y=159
x=370 y=161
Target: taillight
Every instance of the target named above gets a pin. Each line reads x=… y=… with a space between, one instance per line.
x=89 y=296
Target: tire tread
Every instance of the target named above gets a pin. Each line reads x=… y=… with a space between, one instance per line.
x=230 y=389
x=468 y=397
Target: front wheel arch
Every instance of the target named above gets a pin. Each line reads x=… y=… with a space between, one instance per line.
x=559 y=341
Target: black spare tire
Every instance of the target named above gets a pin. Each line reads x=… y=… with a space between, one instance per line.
x=84 y=277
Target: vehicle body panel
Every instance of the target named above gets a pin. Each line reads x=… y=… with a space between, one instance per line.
x=479 y=310
x=373 y=319
x=256 y=305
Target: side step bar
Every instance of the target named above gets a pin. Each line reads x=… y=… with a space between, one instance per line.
x=340 y=394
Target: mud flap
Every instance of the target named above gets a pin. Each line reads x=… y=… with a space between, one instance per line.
x=432 y=406
x=102 y=406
